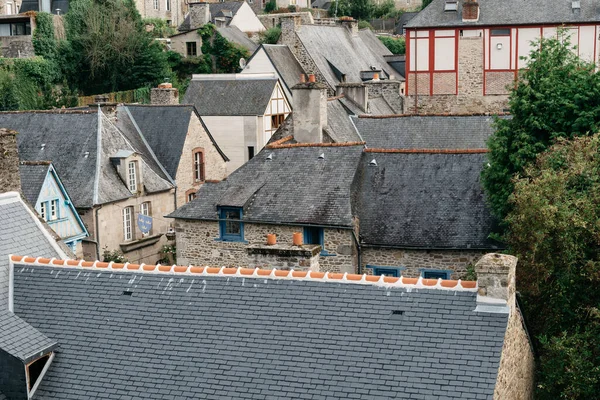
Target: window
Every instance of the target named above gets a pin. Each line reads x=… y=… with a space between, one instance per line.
x=277 y=120
x=168 y=5
x=156 y=4
x=35 y=372
x=20 y=28
x=230 y=225
x=191 y=196
x=435 y=274
x=387 y=271
x=191 y=49
x=9 y=10
x=250 y=152
x=198 y=165
x=145 y=210
x=316 y=235
x=500 y=32
x=128 y=223
x=44 y=210
x=54 y=210
x=132 y=177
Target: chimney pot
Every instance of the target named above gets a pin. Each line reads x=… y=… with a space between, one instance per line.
x=165 y=85
x=311 y=78
x=376 y=76
x=302 y=78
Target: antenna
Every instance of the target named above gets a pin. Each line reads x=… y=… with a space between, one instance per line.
x=242 y=63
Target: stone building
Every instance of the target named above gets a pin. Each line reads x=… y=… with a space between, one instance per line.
x=400 y=202
x=221 y=14
x=462 y=56
x=408 y=5
x=16 y=36
x=298 y=334
x=242 y=111
x=189 y=43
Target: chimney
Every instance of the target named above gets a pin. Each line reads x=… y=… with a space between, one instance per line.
x=310 y=111
x=496 y=277
x=164 y=94
x=470 y=11
x=355 y=92
x=10 y=180
x=199 y=15
x=350 y=24
x=289 y=27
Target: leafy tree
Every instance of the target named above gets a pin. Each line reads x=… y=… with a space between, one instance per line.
x=554 y=229
x=395 y=45
x=158 y=27
x=361 y=9
x=557 y=96
x=108 y=48
x=270 y=36
x=43 y=39
x=425 y=3
x=364 y=25
x=219 y=53
x=385 y=9
x=271 y=6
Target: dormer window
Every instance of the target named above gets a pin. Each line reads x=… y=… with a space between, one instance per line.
x=132 y=176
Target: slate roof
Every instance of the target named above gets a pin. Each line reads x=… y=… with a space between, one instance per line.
x=507 y=13
x=182 y=336
x=432 y=201
x=32 y=179
x=403 y=20
x=230 y=96
x=20 y=339
x=235 y=35
x=285 y=63
x=339 y=126
x=216 y=10
x=426 y=132
x=70 y=139
x=269 y=190
x=335 y=46
x=20 y=234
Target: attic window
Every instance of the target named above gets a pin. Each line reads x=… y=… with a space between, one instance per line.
x=132 y=176
x=35 y=372
x=451 y=5
x=576 y=5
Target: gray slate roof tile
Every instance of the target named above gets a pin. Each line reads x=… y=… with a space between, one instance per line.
x=32 y=179
x=215 y=337
x=507 y=12
x=230 y=97
x=20 y=339
x=285 y=62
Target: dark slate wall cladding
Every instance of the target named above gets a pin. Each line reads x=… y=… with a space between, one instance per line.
x=184 y=336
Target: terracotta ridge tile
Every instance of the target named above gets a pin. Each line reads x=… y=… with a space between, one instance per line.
x=386 y=281
x=341 y=96
x=280 y=141
x=370 y=116
x=428 y=151
x=294 y=145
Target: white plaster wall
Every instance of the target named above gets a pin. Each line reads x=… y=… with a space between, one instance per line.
x=500 y=58
x=260 y=63
x=587 y=37
x=231 y=136
x=246 y=20
x=178 y=43
x=445 y=50
x=526 y=35
x=421 y=49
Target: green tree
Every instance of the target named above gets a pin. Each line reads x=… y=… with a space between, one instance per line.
x=271 y=6
x=361 y=9
x=219 y=53
x=271 y=35
x=557 y=96
x=425 y=3
x=395 y=45
x=554 y=229
x=108 y=48
x=385 y=9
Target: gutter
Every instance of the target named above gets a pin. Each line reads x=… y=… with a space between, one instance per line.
x=376 y=246
x=246 y=221
x=358 y=248
x=97 y=233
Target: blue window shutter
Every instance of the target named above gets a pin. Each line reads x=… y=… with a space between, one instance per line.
x=435 y=273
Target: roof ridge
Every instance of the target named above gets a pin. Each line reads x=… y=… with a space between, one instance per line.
x=292 y=145
x=387 y=281
x=55 y=111
x=369 y=116
x=40 y=162
x=428 y=151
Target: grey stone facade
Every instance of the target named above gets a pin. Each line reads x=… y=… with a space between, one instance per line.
x=16 y=46
x=273 y=20
x=165 y=94
x=10 y=180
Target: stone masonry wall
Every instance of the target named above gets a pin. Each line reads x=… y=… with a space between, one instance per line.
x=272 y=20
x=10 y=180
x=197 y=245
x=389 y=90
x=215 y=167
x=470 y=98
x=415 y=260
x=16 y=46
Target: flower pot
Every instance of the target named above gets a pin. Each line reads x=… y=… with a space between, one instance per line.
x=271 y=239
x=297 y=239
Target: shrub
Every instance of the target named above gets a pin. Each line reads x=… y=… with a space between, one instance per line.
x=364 y=25
x=395 y=45
x=271 y=6
x=270 y=36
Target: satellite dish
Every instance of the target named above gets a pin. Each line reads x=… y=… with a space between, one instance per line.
x=242 y=63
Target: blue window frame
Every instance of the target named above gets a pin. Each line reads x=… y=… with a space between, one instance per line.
x=436 y=273
x=231 y=227
x=386 y=270
x=316 y=235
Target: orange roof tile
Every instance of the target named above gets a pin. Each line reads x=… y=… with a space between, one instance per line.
x=254 y=273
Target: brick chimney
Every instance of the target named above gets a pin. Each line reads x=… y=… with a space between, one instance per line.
x=199 y=15
x=164 y=94
x=10 y=180
x=496 y=277
x=470 y=11
x=310 y=111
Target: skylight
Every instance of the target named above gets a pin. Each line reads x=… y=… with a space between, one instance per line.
x=451 y=5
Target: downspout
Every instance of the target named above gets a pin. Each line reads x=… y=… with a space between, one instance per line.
x=358 y=256
x=97 y=233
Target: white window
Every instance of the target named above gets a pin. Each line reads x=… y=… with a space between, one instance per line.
x=168 y=5
x=44 y=210
x=131 y=173
x=198 y=166
x=53 y=210
x=9 y=8
x=127 y=223
x=156 y=4
x=191 y=196
x=145 y=208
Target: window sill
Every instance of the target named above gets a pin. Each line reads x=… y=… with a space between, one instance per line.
x=231 y=240
x=325 y=253
x=140 y=243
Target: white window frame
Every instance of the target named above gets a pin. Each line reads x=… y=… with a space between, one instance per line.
x=128 y=223
x=54 y=211
x=191 y=196
x=132 y=176
x=145 y=208
x=156 y=4
x=199 y=166
x=44 y=210
x=9 y=8
x=168 y=4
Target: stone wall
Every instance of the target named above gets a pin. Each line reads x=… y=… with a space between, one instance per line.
x=470 y=98
x=198 y=244
x=10 y=180
x=284 y=256
x=16 y=46
x=271 y=20
x=389 y=90
x=415 y=260
x=164 y=94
